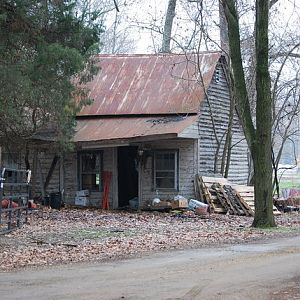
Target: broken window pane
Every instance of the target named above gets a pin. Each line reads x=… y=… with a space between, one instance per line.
x=90 y=168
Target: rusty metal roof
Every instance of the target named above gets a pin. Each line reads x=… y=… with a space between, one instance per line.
x=150 y=84
x=98 y=129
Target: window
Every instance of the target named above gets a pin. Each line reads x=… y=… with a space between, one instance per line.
x=166 y=169
x=11 y=160
x=90 y=170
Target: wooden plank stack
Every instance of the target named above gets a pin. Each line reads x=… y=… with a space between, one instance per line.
x=209 y=195
x=225 y=197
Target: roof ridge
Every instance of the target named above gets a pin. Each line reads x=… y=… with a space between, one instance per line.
x=156 y=54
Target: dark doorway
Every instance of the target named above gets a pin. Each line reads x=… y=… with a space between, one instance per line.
x=127 y=175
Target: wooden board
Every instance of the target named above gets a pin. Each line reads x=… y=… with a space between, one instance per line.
x=245 y=194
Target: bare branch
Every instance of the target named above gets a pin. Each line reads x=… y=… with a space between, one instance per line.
x=116 y=6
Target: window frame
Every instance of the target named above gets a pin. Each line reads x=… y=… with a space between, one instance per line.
x=79 y=173
x=176 y=170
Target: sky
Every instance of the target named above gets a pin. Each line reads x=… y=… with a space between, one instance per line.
x=141 y=15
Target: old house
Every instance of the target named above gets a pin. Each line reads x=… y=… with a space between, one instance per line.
x=156 y=121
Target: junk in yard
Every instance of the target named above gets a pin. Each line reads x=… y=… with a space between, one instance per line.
x=55 y=200
x=107 y=176
x=199 y=207
x=5 y=203
x=162 y=205
x=32 y=205
x=225 y=197
x=14 y=195
x=178 y=205
x=82 y=198
x=134 y=203
x=179 y=202
x=290 y=208
x=193 y=204
x=155 y=201
x=46 y=200
x=288 y=205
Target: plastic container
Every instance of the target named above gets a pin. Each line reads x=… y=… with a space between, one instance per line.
x=193 y=204
x=134 y=203
x=55 y=200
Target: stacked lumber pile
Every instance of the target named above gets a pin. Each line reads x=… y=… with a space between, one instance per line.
x=226 y=197
x=208 y=195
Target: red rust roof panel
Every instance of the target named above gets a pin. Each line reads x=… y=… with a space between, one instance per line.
x=98 y=129
x=150 y=84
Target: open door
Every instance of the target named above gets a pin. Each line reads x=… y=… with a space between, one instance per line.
x=127 y=175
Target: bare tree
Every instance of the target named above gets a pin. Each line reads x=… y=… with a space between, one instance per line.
x=117 y=38
x=167 y=32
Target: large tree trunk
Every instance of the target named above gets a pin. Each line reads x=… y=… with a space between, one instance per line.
x=262 y=155
x=259 y=139
x=168 y=27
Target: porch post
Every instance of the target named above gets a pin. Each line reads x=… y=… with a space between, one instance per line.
x=140 y=185
x=115 y=192
x=62 y=176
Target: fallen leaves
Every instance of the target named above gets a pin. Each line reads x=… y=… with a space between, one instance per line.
x=77 y=235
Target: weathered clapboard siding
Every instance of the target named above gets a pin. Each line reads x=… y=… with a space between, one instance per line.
x=196 y=147
x=190 y=132
x=41 y=170
x=69 y=183
x=71 y=178
x=187 y=170
x=218 y=105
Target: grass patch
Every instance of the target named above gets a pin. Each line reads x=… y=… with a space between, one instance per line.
x=279 y=229
x=289 y=184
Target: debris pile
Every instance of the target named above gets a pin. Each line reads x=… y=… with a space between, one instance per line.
x=225 y=197
x=178 y=205
x=288 y=205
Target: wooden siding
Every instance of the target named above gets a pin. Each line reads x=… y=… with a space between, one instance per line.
x=69 y=172
x=196 y=146
x=187 y=170
x=219 y=100
x=190 y=132
x=40 y=171
x=71 y=178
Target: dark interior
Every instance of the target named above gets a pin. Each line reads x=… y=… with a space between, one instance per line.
x=127 y=175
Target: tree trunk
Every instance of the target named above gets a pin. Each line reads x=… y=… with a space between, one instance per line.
x=259 y=139
x=243 y=105
x=262 y=155
x=168 y=27
x=223 y=32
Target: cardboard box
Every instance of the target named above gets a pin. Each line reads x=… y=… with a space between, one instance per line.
x=81 y=201
x=163 y=204
x=182 y=203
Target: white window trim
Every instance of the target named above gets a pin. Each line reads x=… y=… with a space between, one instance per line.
x=176 y=169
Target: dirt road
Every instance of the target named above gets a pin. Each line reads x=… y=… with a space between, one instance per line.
x=264 y=270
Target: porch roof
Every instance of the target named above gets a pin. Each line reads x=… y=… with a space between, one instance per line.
x=101 y=129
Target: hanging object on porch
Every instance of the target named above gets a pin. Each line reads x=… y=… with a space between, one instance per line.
x=106 y=184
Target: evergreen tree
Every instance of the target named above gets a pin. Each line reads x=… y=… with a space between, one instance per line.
x=46 y=54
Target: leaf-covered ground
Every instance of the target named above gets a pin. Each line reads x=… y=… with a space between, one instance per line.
x=76 y=235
